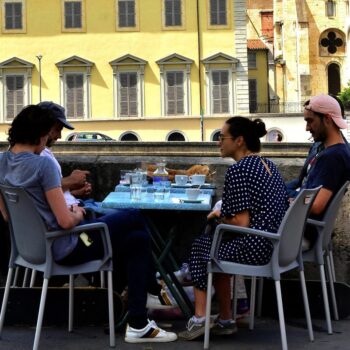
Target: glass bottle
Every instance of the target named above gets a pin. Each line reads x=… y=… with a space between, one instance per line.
x=160 y=175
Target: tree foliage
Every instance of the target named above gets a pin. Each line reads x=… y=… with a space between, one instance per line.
x=344 y=96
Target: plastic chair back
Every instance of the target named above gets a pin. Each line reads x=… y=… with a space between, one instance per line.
x=330 y=215
x=27 y=228
x=292 y=226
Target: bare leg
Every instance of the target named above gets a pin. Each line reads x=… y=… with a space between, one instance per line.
x=200 y=297
x=223 y=291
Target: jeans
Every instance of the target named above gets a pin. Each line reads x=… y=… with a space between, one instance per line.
x=132 y=265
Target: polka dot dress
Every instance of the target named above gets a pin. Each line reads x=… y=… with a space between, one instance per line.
x=252 y=184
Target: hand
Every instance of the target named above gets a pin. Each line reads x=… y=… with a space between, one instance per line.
x=82 y=191
x=77 y=211
x=214 y=214
x=78 y=177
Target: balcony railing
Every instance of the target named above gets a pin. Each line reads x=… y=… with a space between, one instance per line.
x=275 y=107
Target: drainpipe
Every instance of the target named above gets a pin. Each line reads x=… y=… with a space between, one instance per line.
x=201 y=112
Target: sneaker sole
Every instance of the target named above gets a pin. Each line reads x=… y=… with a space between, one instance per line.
x=150 y=340
x=224 y=331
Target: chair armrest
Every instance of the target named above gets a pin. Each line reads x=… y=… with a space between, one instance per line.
x=315 y=222
x=222 y=228
x=77 y=229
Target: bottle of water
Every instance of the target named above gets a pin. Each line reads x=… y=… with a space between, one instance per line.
x=160 y=175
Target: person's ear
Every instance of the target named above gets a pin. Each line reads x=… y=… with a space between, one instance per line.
x=239 y=140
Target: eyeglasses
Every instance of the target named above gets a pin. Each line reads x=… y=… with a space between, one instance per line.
x=222 y=137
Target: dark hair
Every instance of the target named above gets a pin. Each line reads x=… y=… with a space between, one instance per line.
x=30 y=124
x=250 y=130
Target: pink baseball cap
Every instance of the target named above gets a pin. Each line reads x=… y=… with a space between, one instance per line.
x=328 y=106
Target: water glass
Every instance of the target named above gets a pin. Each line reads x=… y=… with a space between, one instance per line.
x=125 y=176
x=135 y=192
x=159 y=195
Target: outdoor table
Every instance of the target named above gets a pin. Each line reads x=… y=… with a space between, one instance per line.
x=161 y=248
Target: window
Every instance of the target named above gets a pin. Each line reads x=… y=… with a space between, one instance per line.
x=172 y=13
x=330 y=8
x=73 y=14
x=174 y=87
x=126 y=13
x=129 y=136
x=218 y=12
x=13 y=16
x=251 y=59
x=253 y=95
x=128 y=104
x=14 y=96
x=74 y=96
x=267 y=25
x=176 y=136
x=215 y=136
x=220 y=92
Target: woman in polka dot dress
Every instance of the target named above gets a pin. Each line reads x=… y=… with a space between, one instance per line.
x=254 y=196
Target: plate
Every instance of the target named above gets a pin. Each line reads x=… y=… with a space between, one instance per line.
x=191 y=200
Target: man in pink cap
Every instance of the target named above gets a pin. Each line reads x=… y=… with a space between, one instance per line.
x=330 y=167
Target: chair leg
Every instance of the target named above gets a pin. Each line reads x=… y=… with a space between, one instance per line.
x=111 y=310
x=325 y=300
x=207 y=311
x=260 y=295
x=306 y=305
x=32 y=279
x=15 y=279
x=331 y=287
x=252 y=303
x=25 y=278
x=5 y=298
x=71 y=303
x=102 y=279
x=330 y=254
x=40 y=314
x=234 y=300
x=281 y=315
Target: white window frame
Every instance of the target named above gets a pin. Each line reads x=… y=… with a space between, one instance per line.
x=231 y=90
x=127 y=28
x=23 y=20
x=118 y=97
x=85 y=90
x=26 y=94
x=83 y=17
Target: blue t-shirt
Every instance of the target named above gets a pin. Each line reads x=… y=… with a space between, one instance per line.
x=36 y=175
x=330 y=168
x=255 y=184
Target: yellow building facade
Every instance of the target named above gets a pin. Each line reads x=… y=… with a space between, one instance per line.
x=152 y=70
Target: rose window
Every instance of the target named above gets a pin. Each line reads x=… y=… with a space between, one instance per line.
x=332 y=42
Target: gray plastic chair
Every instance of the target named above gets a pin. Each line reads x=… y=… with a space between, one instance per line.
x=31 y=247
x=321 y=252
x=285 y=257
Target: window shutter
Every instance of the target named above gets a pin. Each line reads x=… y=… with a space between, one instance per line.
x=13 y=15
x=252 y=84
x=73 y=14
x=218 y=13
x=126 y=11
x=175 y=93
x=220 y=92
x=75 y=96
x=172 y=13
x=14 y=95
x=128 y=95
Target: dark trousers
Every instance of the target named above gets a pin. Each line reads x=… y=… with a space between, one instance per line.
x=132 y=264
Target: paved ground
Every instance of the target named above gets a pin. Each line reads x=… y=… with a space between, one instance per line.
x=265 y=336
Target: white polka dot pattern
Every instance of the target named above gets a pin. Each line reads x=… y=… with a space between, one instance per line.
x=248 y=186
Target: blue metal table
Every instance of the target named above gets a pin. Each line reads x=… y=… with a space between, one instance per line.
x=161 y=249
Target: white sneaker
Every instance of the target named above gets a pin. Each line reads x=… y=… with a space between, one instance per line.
x=162 y=301
x=150 y=334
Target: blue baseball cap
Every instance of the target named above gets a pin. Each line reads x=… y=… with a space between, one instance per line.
x=57 y=111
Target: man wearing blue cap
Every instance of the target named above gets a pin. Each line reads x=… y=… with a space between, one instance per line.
x=75 y=184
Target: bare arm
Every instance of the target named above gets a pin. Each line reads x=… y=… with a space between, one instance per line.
x=66 y=218
x=240 y=219
x=75 y=180
x=321 y=201
x=3 y=209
